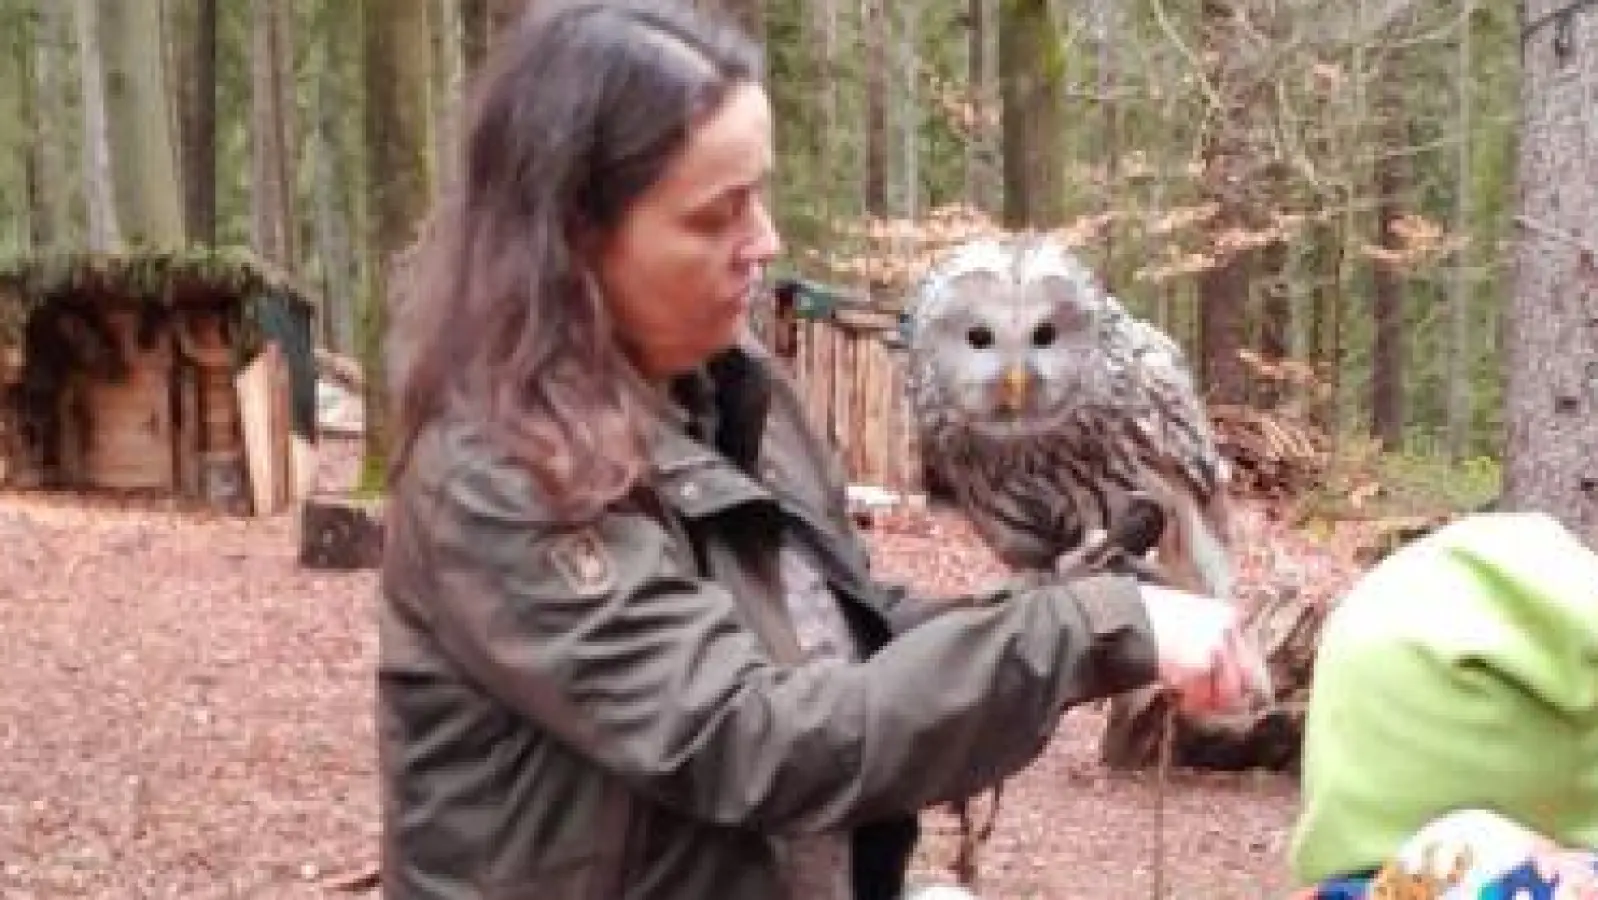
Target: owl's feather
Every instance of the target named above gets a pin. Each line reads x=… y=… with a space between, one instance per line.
x=1115 y=411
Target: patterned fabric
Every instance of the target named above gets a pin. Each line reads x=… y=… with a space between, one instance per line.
x=1472 y=855
x=816 y=616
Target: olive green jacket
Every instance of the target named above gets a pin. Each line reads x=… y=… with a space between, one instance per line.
x=621 y=710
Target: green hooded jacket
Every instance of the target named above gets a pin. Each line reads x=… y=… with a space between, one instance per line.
x=1462 y=672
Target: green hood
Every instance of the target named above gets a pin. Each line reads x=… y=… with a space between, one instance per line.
x=1461 y=672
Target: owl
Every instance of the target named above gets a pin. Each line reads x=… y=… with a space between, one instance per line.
x=1047 y=409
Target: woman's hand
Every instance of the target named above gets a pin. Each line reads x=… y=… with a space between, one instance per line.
x=1203 y=654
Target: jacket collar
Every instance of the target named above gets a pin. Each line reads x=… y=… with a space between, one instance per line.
x=706 y=446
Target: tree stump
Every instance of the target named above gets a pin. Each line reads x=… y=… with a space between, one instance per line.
x=341 y=533
x=1287 y=630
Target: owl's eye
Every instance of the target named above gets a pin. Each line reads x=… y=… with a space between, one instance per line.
x=980 y=337
x=1044 y=335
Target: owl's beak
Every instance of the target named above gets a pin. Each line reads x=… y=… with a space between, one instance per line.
x=1014 y=388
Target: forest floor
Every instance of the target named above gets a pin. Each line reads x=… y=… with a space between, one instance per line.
x=185 y=713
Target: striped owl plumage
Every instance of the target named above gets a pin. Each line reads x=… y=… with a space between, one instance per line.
x=1044 y=405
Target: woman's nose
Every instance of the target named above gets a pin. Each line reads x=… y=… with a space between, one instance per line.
x=764 y=244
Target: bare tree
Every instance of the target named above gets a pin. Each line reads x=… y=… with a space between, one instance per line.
x=1552 y=334
x=1457 y=365
x=396 y=66
x=981 y=150
x=143 y=163
x=875 y=15
x=1030 y=75
x=99 y=197
x=196 y=81
x=272 y=129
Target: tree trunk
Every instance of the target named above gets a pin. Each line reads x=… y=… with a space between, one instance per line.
x=143 y=164
x=876 y=27
x=910 y=108
x=474 y=33
x=272 y=146
x=445 y=96
x=24 y=35
x=1031 y=69
x=981 y=151
x=502 y=14
x=196 y=97
x=1107 y=16
x=1552 y=333
x=825 y=26
x=1457 y=369
x=1276 y=321
x=99 y=195
x=53 y=221
x=1387 y=371
x=1224 y=288
x=1223 y=326
x=397 y=65
x=330 y=174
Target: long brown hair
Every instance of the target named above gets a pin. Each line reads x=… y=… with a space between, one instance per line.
x=579 y=111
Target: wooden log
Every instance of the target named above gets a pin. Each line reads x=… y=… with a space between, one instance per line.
x=206 y=344
x=1287 y=630
x=265 y=442
x=890 y=422
x=131 y=441
x=843 y=396
x=189 y=430
x=813 y=377
x=826 y=371
x=908 y=449
x=882 y=416
x=870 y=405
x=340 y=533
x=864 y=403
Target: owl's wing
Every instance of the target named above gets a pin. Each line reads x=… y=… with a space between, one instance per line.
x=1181 y=464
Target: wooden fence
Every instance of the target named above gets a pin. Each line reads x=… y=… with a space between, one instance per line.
x=852 y=384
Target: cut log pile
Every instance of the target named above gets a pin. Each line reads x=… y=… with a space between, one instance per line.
x=1272 y=455
x=1287 y=629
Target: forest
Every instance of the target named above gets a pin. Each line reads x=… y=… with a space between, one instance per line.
x=1320 y=204
x=1372 y=225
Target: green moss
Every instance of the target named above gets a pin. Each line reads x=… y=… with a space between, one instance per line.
x=372 y=483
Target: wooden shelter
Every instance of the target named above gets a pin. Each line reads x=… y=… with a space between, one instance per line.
x=187 y=373
x=847 y=358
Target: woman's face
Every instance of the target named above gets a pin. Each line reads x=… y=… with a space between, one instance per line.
x=680 y=268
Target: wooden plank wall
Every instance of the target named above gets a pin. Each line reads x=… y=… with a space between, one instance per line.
x=853 y=390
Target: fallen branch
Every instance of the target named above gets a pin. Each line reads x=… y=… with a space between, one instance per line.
x=356 y=881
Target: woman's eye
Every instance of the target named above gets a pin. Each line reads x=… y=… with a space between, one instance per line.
x=979 y=337
x=1044 y=335
x=718 y=216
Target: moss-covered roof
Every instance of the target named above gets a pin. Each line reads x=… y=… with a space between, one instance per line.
x=270 y=306
x=177 y=274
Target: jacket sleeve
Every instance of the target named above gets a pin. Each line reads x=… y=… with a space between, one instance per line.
x=610 y=642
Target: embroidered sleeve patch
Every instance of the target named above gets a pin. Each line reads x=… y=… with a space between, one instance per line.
x=583 y=561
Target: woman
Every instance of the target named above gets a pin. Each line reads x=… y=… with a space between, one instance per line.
x=630 y=647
